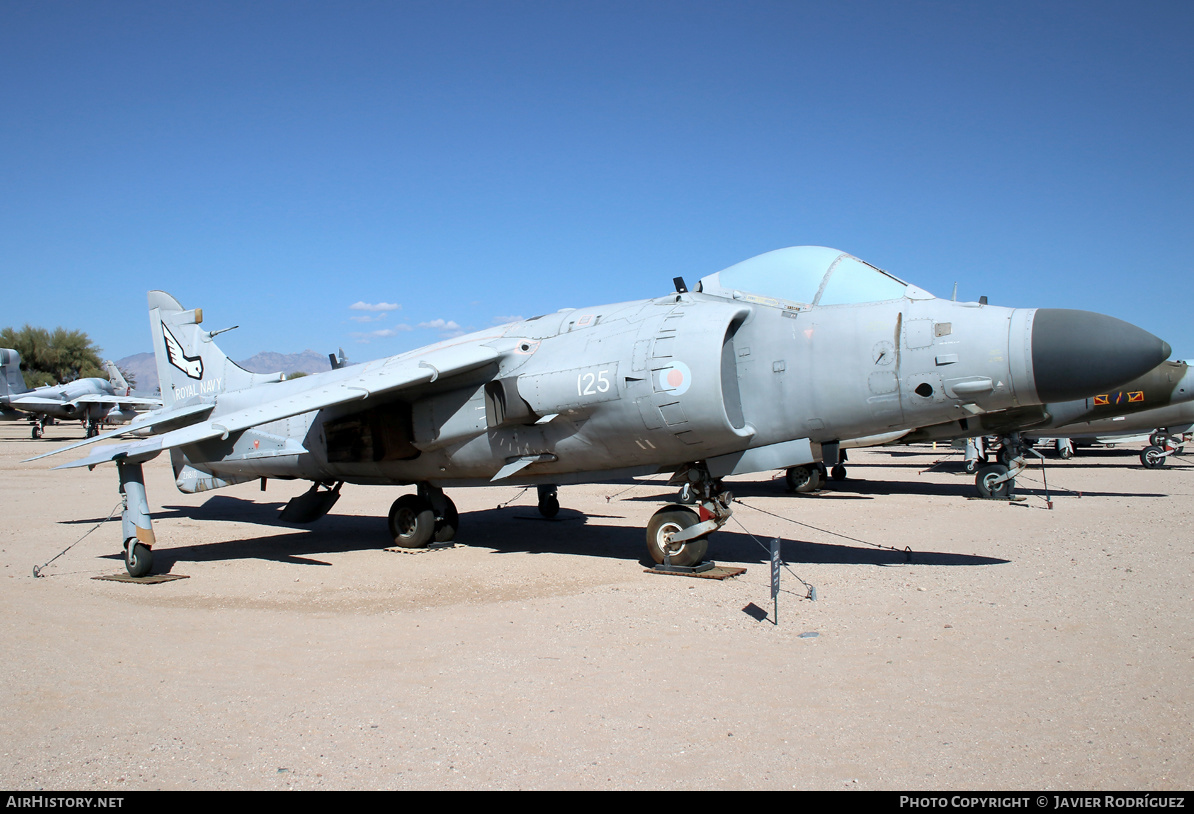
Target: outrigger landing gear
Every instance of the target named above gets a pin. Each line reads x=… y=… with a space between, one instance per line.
x=136 y=528
x=676 y=534
x=549 y=501
x=417 y=520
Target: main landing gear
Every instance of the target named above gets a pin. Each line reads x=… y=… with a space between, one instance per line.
x=417 y=520
x=678 y=534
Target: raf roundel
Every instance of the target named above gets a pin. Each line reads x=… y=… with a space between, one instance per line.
x=674 y=379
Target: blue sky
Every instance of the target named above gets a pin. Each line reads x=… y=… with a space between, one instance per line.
x=277 y=163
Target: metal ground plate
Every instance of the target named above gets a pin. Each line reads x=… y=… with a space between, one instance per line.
x=431 y=547
x=152 y=579
x=716 y=572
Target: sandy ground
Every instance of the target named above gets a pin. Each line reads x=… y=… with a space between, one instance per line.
x=1019 y=648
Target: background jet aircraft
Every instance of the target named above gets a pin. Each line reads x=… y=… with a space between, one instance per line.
x=93 y=400
x=1164 y=426
x=1170 y=383
x=766 y=365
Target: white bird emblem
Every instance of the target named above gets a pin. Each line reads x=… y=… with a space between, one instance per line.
x=190 y=365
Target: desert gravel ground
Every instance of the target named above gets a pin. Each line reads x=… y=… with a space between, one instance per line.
x=1019 y=648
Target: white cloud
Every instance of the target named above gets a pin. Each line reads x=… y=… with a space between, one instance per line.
x=375 y=306
x=440 y=325
x=381 y=333
x=504 y=320
x=368 y=318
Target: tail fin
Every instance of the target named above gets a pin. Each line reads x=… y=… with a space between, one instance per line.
x=12 y=383
x=116 y=378
x=190 y=364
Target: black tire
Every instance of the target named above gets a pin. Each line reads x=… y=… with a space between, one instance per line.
x=983 y=481
x=671 y=520
x=1065 y=453
x=445 y=527
x=804 y=479
x=1153 y=457
x=138 y=560
x=549 y=506
x=412 y=522
x=1157 y=439
x=838 y=472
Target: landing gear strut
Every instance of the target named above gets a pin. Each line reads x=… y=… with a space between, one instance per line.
x=677 y=535
x=416 y=520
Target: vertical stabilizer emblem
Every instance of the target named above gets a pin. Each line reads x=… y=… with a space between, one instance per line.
x=190 y=365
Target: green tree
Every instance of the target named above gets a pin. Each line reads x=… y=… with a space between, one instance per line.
x=53 y=358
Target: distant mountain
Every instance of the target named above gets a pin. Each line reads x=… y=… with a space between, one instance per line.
x=144 y=367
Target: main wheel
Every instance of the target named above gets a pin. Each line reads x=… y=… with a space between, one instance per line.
x=985 y=481
x=666 y=523
x=412 y=522
x=138 y=560
x=1153 y=457
x=804 y=478
x=445 y=527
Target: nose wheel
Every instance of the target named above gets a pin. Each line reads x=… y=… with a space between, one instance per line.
x=662 y=529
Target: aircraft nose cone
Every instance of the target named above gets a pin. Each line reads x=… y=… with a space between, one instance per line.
x=1076 y=354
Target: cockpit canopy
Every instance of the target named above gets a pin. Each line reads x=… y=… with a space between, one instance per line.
x=808 y=276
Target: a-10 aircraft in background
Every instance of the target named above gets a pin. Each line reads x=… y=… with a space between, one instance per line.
x=1166 y=428
x=1169 y=384
x=765 y=365
x=93 y=401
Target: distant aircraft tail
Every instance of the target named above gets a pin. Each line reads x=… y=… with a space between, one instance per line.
x=11 y=381
x=116 y=379
x=190 y=364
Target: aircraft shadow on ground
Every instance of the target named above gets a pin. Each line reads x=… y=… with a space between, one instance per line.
x=964 y=488
x=508 y=530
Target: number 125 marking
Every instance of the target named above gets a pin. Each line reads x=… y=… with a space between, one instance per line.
x=590 y=384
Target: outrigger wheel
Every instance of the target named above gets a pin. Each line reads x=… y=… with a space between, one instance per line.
x=138 y=560
x=549 y=501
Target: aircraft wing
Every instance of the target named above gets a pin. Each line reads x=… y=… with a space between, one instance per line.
x=96 y=398
x=35 y=404
x=364 y=381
